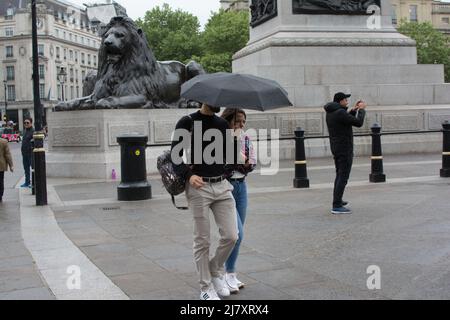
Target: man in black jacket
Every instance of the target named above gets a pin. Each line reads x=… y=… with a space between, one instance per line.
x=27 y=151
x=340 y=123
x=207 y=189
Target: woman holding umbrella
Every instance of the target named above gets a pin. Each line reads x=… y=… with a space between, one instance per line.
x=236 y=174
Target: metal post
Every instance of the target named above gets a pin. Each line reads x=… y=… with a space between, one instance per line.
x=134 y=185
x=377 y=174
x=33 y=177
x=301 y=179
x=38 y=151
x=445 y=171
x=40 y=173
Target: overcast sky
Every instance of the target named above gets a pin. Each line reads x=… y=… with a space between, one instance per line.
x=137 y=8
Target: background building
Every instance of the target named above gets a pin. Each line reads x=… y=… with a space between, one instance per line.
x=66 y=39
x=441 y=16
x=234 y=4
x=436 y=12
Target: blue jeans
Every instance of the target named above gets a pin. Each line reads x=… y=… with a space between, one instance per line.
x=240 y=197
x=26 y=167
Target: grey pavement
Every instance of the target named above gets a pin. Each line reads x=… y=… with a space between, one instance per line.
x=19 y=276
x=293 y=247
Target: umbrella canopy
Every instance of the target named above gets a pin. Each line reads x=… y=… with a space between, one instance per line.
x=233 y=90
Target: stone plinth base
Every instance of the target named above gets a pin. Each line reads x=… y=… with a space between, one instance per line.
x=82 y=144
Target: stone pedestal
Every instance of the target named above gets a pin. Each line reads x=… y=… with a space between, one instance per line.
x=83 y=144
x=314 y=56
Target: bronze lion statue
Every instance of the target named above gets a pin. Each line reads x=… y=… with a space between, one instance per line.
x=129 y=76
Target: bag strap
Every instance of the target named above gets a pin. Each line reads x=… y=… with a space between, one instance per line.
x=173 y=197
x=179 y=208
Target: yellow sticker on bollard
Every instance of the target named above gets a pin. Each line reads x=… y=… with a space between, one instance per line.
x=138 y=153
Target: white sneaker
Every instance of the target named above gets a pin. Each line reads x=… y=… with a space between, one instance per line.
x=240 y=283
x=232 y=282
x=220 y=286
x=209 y=294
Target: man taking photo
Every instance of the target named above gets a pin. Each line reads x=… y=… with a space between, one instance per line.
x=340 y=124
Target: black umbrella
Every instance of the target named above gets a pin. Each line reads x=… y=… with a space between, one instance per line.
x=233 y=90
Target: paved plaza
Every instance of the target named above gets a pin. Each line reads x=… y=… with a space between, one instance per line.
x=293 y=247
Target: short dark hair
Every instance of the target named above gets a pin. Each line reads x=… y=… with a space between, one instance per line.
x=28 y=118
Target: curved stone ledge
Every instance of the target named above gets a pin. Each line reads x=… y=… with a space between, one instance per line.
x=324 y=42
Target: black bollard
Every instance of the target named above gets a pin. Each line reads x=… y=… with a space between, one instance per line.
x=40 y=173
x=134 y=185
x=301 y=178
x=445 y=171
x=33 y=178
x=377 y=174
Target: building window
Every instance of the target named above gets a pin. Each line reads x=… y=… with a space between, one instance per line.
x=64 y=35
x=71 y=75
x=76 y=56
x=82 y=40
x=89 y=59
x=446 y=20
x=78 y=91
x=76 y=75
x=394 y=14
x=72 y=94
x=41 y=50
x=83 y=75
x=42 y=91
x=9 y=52
x=76 y=39
x=88 y=42
x=11 y=93
x=58 y=88
x=71 y=55
x=10 y=75
x=9 y=14
x=58 y=52
x=82 y=58
x=9 y=32
x=41 y=72
x=57 y=33
x=70 y=36
x=65 y=54
x=413 y=13
x=94 y=58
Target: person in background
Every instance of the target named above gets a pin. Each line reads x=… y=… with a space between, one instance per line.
x=340 y=124
x=27 y=151
x=5 y=162
x=236 y=174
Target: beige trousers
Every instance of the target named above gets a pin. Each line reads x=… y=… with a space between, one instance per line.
x=218 y=198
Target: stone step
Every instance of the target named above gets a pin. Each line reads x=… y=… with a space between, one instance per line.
x=375 y=95
x=353 y=74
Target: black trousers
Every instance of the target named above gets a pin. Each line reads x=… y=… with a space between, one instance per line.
x=2 y=183
x=343 y=164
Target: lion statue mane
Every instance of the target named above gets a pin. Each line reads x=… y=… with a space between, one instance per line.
x=129 y=76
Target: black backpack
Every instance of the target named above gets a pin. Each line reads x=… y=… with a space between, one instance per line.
x=173 y=183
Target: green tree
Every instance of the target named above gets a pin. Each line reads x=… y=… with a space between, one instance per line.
x=225 y=33
x=172 y=35
x=433 y=47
